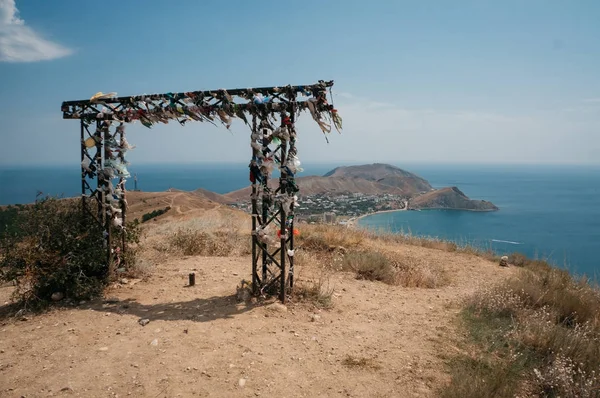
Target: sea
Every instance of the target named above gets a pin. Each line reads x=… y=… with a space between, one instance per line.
x=546 y=212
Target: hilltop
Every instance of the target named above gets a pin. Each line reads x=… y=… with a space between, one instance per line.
x=385 y=174
x=370 y=315
x=373 y=339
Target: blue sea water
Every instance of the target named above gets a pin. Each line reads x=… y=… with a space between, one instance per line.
x=550 y=212
x=546 y=212
x=20 y=184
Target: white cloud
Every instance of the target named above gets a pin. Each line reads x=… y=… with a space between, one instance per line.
x=20 y=43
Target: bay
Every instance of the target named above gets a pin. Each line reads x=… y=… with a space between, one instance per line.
x=546 y=212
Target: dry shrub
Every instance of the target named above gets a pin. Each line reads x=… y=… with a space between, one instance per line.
x=497 y=302
x=550 y=320
x=330 y=237
x=311 y=259
x=430 y=243
x=518 y=259
x=476 y=378
x=370 y=265
x=394 y=269
x=521 y=260
x=317 y=292
x=563 y=377
x=423 y=241
x=412 y=272
x=141 y=268
x=548 y=339
x=219 y=243
x=574 y=301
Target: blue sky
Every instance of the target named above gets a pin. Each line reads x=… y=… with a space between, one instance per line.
x=431 y=81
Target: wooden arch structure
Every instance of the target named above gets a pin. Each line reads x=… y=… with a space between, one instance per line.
x=270 y=112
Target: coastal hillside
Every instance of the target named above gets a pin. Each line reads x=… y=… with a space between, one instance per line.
x=449 y=198
x=313 y=185
x=173 y=201
x=215 y=197
x=407 y=182
x=376 y=180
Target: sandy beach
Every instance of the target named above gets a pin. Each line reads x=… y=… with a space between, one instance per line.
x=353 y=221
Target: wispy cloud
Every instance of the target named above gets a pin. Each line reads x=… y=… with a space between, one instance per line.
x=20 y=43
x=592 y=100
x=375 y=131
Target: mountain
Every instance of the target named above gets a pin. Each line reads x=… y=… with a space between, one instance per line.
x=371 y=179
x=312 y=185
x=378 y=179
x=449 y=198
x=384 y=174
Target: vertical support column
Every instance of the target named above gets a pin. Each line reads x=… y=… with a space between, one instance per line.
x=105 y=182
x=266 y=203
x=83 y=171
x=122 y=198
x=282 y=216
x=99 y=138
x=254 y=200
x=292 y=152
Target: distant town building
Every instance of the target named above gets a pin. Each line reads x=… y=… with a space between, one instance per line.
x=329 y=217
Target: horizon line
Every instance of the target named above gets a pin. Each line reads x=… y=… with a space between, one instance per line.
x=305 y=163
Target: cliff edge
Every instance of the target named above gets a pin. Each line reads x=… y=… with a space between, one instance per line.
x=449 y=198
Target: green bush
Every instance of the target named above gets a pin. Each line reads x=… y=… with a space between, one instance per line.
x=9 y=220
x=155 y=213
x=57 y=249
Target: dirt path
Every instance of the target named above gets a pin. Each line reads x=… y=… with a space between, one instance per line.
x=201 y=342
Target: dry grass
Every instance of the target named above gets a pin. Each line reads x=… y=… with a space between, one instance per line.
x=413 y=272
x=394 y=269
x=337 y=248
x=200 y=243
x=429 y=243
x=324 y=247
x=573 y=301
x=317 y=292
x=190 y=242
x=215 y=233
x=370 y=265
x=321 y=237
x=477 y=378
x=543 y=323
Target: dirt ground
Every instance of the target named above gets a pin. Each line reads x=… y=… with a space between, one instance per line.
x=376 y=341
